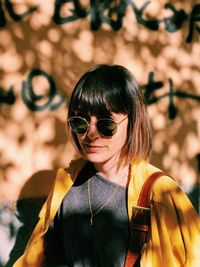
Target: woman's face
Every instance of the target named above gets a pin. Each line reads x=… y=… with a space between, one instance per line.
x=99 y=149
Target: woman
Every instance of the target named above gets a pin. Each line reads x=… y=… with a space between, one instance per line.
x=86 y=218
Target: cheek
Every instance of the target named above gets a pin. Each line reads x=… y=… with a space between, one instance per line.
x=123 y=133
x=119 y=140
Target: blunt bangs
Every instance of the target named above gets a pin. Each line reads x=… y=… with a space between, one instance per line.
x=98 y=93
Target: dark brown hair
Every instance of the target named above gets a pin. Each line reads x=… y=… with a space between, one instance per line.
x=107 y=89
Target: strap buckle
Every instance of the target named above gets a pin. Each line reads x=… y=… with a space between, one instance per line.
x=141 y=208
x=140 y=219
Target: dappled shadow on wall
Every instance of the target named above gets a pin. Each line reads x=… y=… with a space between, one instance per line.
x=43 y=53
x=20 y=220
x=31 y=142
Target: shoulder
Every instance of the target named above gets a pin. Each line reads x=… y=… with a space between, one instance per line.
x=65 y=177
x=64 y=180
x=164 y=183
x=74 y=165
x=165 y=190
x=167 y=193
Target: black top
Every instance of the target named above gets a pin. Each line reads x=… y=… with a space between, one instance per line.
x=72 y=241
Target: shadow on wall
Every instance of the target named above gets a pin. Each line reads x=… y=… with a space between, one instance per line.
x=31 y=199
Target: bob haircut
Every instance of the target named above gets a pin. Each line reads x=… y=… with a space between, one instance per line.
x=107 y=89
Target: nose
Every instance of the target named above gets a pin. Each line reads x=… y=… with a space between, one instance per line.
x=92 y=132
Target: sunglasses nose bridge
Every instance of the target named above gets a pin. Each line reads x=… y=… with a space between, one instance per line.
x=92 y=123
x=92 y=128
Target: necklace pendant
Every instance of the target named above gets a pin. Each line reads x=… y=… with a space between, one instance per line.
x=91 y=220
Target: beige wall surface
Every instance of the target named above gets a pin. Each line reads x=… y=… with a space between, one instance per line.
x=45 y=46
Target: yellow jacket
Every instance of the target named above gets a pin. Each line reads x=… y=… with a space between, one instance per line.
x=175 y=225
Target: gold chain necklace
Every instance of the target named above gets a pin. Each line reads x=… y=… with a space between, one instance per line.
x=107 y=201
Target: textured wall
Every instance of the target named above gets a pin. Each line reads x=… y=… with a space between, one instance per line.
x=44 y=48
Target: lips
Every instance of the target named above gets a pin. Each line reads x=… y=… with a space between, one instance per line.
x=92 y=148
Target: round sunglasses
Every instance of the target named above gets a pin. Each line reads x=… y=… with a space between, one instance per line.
x=105 y=127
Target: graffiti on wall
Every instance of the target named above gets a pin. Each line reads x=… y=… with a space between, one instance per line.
x=112 y=14
x=54 y=99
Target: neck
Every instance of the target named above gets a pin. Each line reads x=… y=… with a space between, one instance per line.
x=117 y=173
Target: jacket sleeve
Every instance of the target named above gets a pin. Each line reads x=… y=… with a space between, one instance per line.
x=175 y=228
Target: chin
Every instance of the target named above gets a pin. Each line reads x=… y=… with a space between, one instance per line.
x=95 y=158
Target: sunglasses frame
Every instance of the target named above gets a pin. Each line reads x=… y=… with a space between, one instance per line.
x=95 y=123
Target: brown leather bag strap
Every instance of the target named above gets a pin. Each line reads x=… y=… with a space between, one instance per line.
x=140 y=222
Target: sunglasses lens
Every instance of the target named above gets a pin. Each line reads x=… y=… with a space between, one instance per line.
x=78 y=125
x=107 y=127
